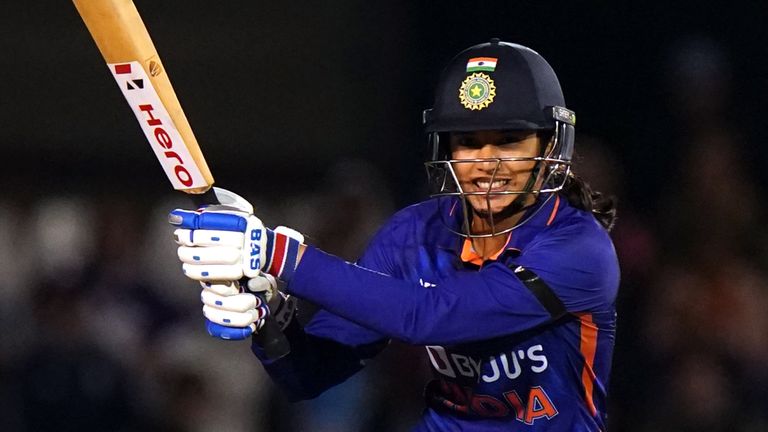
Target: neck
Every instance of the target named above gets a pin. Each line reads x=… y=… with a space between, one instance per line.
x=487 y=246
x=481 y=224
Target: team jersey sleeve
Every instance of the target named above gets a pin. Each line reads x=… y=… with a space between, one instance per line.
x=578 y=263
x=328 y=325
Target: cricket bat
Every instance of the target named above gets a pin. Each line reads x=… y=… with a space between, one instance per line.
x=124 y=41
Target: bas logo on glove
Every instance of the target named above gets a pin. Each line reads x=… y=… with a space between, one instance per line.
x=221 y=246
x=214 y=245
x=255 y=249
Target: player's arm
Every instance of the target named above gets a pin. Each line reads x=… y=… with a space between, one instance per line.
x=220 y=245
x=325 y=351
x=472 y=306
x=578 y=263
x=315 y=363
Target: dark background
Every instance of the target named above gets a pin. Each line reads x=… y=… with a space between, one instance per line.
x=313 y=111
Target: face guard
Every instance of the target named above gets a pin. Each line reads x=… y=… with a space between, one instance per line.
x=550 y=172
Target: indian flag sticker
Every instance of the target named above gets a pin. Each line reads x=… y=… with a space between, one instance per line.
x=477 y=91
x=481 y=64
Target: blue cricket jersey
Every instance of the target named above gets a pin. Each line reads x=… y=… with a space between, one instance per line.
x=502 y=359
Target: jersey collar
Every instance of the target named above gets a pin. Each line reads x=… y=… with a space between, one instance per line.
x=468 y=254
x=544 y=217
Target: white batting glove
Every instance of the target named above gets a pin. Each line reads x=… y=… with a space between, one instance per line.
x=226 y=305
x=227 y=242
x=226 y=247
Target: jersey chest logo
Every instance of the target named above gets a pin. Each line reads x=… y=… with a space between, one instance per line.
x=526 y=406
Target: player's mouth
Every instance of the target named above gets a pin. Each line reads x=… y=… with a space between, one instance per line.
x=485 y=185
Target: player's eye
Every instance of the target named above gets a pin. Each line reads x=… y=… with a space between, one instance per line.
x=467 y=141
x=509 y=138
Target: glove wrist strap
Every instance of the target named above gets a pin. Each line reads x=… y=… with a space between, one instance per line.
x=284 y=258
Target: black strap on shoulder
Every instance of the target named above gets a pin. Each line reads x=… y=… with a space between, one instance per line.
x=541 y=291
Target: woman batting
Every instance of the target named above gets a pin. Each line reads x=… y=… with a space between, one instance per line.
x=506 y=275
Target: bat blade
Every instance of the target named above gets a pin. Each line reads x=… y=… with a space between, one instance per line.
x=130 y=54
x=126 y=46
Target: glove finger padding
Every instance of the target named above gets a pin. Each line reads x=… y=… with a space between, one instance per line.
x=229 y=333
x=234 y=319
x=205 y=238
x=214 y=227
x=213 y=272
x=233 y=303
x=223 y=233
x=209 y=255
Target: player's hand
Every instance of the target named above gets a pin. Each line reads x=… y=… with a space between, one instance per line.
x=233 y=312
x=227 y=242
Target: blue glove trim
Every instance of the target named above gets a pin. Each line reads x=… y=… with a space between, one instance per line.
x=282 y=255
x=227 y=333
x=270 y=249
x=222 y=222
x=183 y=218
x=291 y=256
x=207 y=221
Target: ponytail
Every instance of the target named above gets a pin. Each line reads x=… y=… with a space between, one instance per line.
x=580 y=195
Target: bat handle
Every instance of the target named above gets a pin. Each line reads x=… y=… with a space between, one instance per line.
x=270 y=337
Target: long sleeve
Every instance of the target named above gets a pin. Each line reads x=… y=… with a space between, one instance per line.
x=315 y=363
x=328 y=349
x=469 y=306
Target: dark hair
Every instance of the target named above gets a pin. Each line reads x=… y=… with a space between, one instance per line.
x=580 y=195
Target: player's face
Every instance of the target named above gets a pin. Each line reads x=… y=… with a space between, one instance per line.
x=489 y=177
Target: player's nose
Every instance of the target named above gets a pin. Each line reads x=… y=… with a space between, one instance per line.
x=490 y=152
x=487 y=150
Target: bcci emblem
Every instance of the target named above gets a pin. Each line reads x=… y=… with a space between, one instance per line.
x=477 y=91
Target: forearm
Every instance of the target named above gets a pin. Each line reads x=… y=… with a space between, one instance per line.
x=464 y=309
x=314 y=364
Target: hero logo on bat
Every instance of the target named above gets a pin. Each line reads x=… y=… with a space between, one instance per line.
x=167 y=143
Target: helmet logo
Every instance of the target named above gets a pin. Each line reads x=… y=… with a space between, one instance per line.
x=477 y=91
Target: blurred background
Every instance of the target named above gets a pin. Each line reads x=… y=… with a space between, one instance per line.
x=312 y=111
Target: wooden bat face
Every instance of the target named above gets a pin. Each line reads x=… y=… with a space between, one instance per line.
x=125 y=44
x=159 y=127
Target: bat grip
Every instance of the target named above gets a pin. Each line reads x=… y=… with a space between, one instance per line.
x=270 y=337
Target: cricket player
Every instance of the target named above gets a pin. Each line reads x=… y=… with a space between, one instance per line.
x=506 y=275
